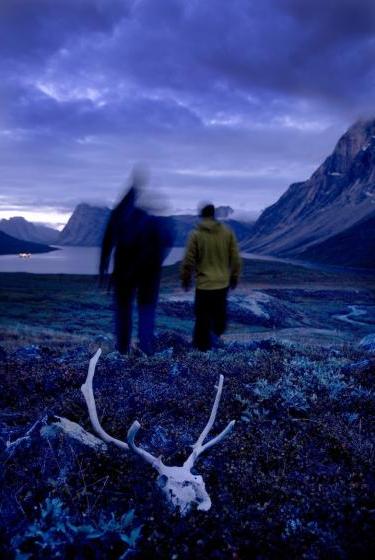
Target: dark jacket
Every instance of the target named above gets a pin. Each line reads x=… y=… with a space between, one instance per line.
x=141 y=242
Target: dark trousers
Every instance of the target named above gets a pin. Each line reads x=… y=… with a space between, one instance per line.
x=146 y=292
x=210 y=316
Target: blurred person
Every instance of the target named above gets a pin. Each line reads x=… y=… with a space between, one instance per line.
x=141 y=242
x=212 y=256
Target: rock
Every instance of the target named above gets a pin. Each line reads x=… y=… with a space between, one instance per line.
x=368 y=343
x=26 y=439
x=102 y=339
x=27 y=353
x=58 y=425
x=260 y=308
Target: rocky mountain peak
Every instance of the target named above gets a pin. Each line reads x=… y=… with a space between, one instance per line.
x=358 y=137
x=85 y=226
x=20 y=228
x=339 y=193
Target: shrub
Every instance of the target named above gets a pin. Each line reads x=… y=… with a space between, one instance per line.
x=55 y=534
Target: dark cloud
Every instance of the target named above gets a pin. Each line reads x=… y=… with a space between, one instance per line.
x=34 y=29
x=236 y=99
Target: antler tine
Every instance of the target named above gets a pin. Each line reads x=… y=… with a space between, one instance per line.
x=88 y=393
x=198 y=447
x=148 y=457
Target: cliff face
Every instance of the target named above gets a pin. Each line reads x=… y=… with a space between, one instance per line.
x=87 y=224
x=340 y=193
x=85 y=227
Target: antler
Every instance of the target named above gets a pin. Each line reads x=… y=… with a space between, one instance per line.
x=198 y=447
x=156 y=462
x=181 y=487
x=88 y=393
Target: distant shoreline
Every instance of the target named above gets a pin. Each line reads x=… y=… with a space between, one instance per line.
x=83 y=261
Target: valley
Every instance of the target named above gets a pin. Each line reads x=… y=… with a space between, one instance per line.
x=274 y=299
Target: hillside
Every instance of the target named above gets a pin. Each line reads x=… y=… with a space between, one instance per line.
x=353 y=247
x=10 y=245
x=20 y=228
x=338 y=195
x=87 y=224
x=184 y=224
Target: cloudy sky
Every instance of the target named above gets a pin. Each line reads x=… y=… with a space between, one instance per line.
x=229 y=100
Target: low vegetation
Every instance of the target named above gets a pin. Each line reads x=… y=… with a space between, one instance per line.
x=294 y=478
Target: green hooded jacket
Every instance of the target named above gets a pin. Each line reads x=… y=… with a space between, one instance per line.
x=212 y=255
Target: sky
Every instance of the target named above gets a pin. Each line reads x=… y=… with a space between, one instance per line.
x=222 y=100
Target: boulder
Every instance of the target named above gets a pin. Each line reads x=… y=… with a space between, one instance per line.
x=368 y=343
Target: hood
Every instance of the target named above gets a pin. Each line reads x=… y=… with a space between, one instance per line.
x=208 y=224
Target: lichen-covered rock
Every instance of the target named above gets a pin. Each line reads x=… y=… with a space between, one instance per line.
x=58 y=426
x=252 y=308
x=368 y=343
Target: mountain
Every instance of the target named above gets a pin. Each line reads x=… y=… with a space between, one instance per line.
x=184 y=223
x=11 y=246
x=354 y=247
x=27 y=231
x=223 y=212
x=85 y=227
x=87 y=224
x=340 y=194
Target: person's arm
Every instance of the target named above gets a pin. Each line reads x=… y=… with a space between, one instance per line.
x=189 y=262
x=235 y=261
x=107 y=246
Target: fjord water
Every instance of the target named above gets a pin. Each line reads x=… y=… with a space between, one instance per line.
x=66 y=260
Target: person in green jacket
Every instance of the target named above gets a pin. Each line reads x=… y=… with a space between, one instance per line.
x=212 y=256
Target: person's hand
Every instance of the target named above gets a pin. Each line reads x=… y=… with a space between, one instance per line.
x=233 y=283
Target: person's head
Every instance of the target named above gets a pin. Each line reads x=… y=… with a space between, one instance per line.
x=207 y=211
x=137 y=180
x=139 y=176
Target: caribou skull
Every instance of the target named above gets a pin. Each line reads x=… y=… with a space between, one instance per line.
x=181 y=487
